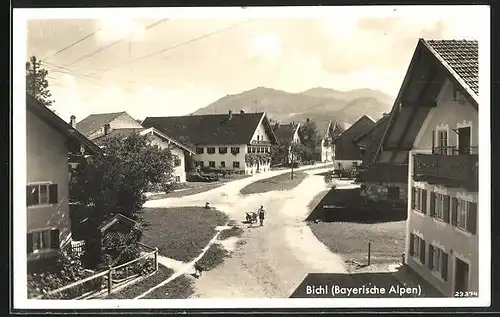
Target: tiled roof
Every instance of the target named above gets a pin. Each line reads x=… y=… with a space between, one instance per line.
x=284 y=132
x=125 y=132
x=59 y=124
x=117 y=132
x=96 y=121
x=462 y=57
x=345 y=148
x=210 y=129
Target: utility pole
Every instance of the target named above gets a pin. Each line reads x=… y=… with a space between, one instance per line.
x=292 y=150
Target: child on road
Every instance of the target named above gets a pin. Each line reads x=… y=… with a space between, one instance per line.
x=262 y=213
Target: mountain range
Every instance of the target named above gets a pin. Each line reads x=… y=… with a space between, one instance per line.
x=318 y=104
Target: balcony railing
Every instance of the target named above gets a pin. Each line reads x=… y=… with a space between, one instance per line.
x=451 y=170
x=260 y=142
x=453 y=150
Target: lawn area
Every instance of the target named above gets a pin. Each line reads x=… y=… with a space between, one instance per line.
x=214 y=257
x=347 y=231
x=142 y=286
x=180 y=233
x=279 y=182
x=193 y=188
x=179 y=288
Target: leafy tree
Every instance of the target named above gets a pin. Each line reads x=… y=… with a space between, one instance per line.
x=116 y=182
x=309 y=134
x=36 y=82
x=337 y=131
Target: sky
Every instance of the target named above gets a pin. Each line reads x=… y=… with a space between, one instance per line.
x=172 y=64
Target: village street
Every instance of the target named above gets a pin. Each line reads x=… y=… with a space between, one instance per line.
x=272 y=260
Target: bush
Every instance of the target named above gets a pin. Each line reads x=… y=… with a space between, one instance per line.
x=67 y=269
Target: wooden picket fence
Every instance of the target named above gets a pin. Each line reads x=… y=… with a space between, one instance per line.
x=107 y=276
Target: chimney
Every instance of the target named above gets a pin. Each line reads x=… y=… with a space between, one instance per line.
x=106 y=129
x=230 y=114
x=242 y=111
x=72 y=120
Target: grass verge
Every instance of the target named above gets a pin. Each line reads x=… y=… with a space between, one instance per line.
x=279 y=182
x=180 y=233
x=348 y=230
x=350 y=240
x=193 y=188
x=142 y=286
x=234 y=231
x=179 y=288
x=214 y=257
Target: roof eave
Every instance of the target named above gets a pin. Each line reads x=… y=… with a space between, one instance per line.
x=473 y=96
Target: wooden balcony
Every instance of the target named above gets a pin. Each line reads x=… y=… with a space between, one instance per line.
x=450 y=170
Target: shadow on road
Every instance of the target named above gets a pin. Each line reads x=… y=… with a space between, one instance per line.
x=347 y=205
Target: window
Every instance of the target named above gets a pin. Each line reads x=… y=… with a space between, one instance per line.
x=355 y=164
x=41 y=194
x=210 y=150
x=440 y=207
x=259 y=149
x=258 y=137
x=442 y=136
x=222 y=164
x=199 y=150
x=222 y=150
x=235 y=150
x=177 y=179
x=201 y=164
x=419 y=199
x=464 y=215
x=211 y=164
x=42 y=240
x=417 y=248
x=177 y=162
x=392 y=192
x=236 y=164
x=253 y=150
x=438 y=261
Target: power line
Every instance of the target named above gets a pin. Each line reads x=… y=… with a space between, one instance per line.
x=172 y=47
x=72 y=44
x=110 y=45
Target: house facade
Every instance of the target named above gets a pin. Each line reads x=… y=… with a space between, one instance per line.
x=442 y=224
x=347 y=153
x=97 y=125
x=287 y=134
x=49 y=140
x=233 y=142
x=182 y=154
x=325 y=149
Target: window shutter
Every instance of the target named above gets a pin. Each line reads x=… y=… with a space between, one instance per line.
x=29 y=197
x=29 y=243
x=413 y=195
x=53 y=199
x=412 y=242
x=433 y=204
x=422 y=251
x=454 y=211
x=431 y=256
x=444 y=268
x=424 y=201
x=446 y=208
x=54 y=239
x=472 y=218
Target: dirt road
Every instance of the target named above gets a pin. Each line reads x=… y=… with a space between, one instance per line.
x=274 y=259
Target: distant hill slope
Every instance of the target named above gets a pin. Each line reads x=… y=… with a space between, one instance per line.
x=318 y=104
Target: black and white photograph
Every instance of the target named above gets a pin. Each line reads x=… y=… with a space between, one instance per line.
x=258 y=157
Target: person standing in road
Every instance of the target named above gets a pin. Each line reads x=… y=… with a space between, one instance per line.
x=262 y=214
